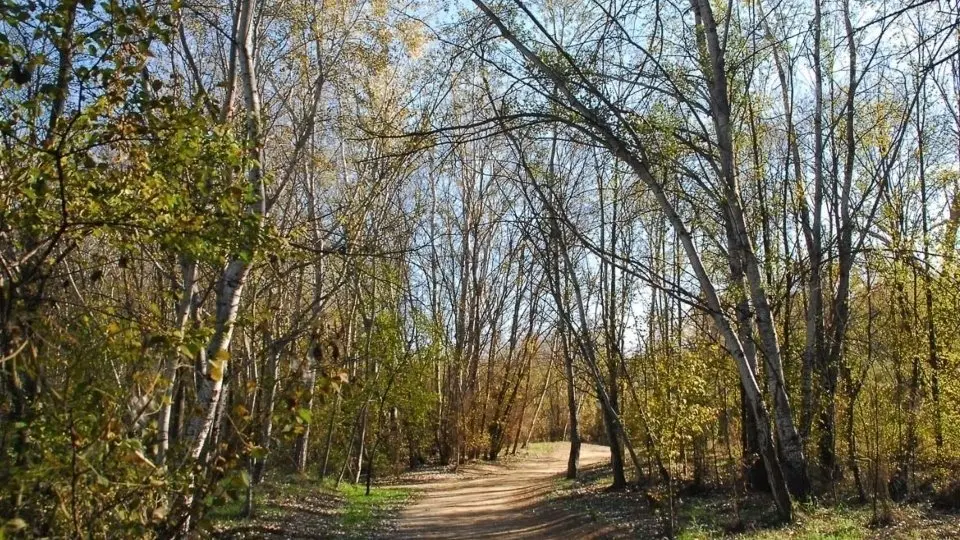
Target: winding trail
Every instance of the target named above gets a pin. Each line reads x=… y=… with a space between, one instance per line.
x=502 y=501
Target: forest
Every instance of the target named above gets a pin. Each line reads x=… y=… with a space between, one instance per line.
x=343 y=240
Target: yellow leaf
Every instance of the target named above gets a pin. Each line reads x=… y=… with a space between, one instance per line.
x=216 y=370
x=159 y=514
x=218 y=364
x=16 y=524
x=136 y=457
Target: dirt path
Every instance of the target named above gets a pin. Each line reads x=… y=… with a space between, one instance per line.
x=509 y=501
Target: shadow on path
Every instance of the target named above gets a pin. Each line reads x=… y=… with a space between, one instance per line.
x=509 y=501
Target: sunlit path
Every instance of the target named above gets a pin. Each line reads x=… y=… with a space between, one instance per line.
x=508 y=501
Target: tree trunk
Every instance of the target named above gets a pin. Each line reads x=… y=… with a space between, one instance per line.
x=188 y=271
x=790 y=444
x=573 y=461
x=608 y=137
x=267 y=404
x=329 y=438
x=536 y=412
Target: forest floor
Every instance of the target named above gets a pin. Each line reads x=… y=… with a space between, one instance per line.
x=525 y=496
x=300 y=507
x=510 y=498
x=721 y=513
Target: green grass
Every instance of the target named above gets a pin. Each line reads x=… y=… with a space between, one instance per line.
x=537 y=449
x=229 y=511
x=811 y=523
x=362 y=512
x=561 y=487
x=352 y=513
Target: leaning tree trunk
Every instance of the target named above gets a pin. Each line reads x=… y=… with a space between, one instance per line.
x=752 y=463
x=536 y=412
x=234 y=276
x=607 y=136
x=233 y=279
x=790 y=444
x=813 y=346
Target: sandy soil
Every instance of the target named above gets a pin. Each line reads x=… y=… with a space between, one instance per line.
x=508 y=501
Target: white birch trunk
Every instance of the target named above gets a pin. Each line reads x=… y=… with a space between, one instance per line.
x=230 y=286
x=188 y=271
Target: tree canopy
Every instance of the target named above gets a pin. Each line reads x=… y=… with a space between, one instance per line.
x=346 y=239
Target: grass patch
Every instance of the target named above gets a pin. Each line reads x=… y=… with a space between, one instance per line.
x=539 y=449
x=362 y=513
x=230 y=510
x=700 y=520
x=811 y=522
x=302 y=507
